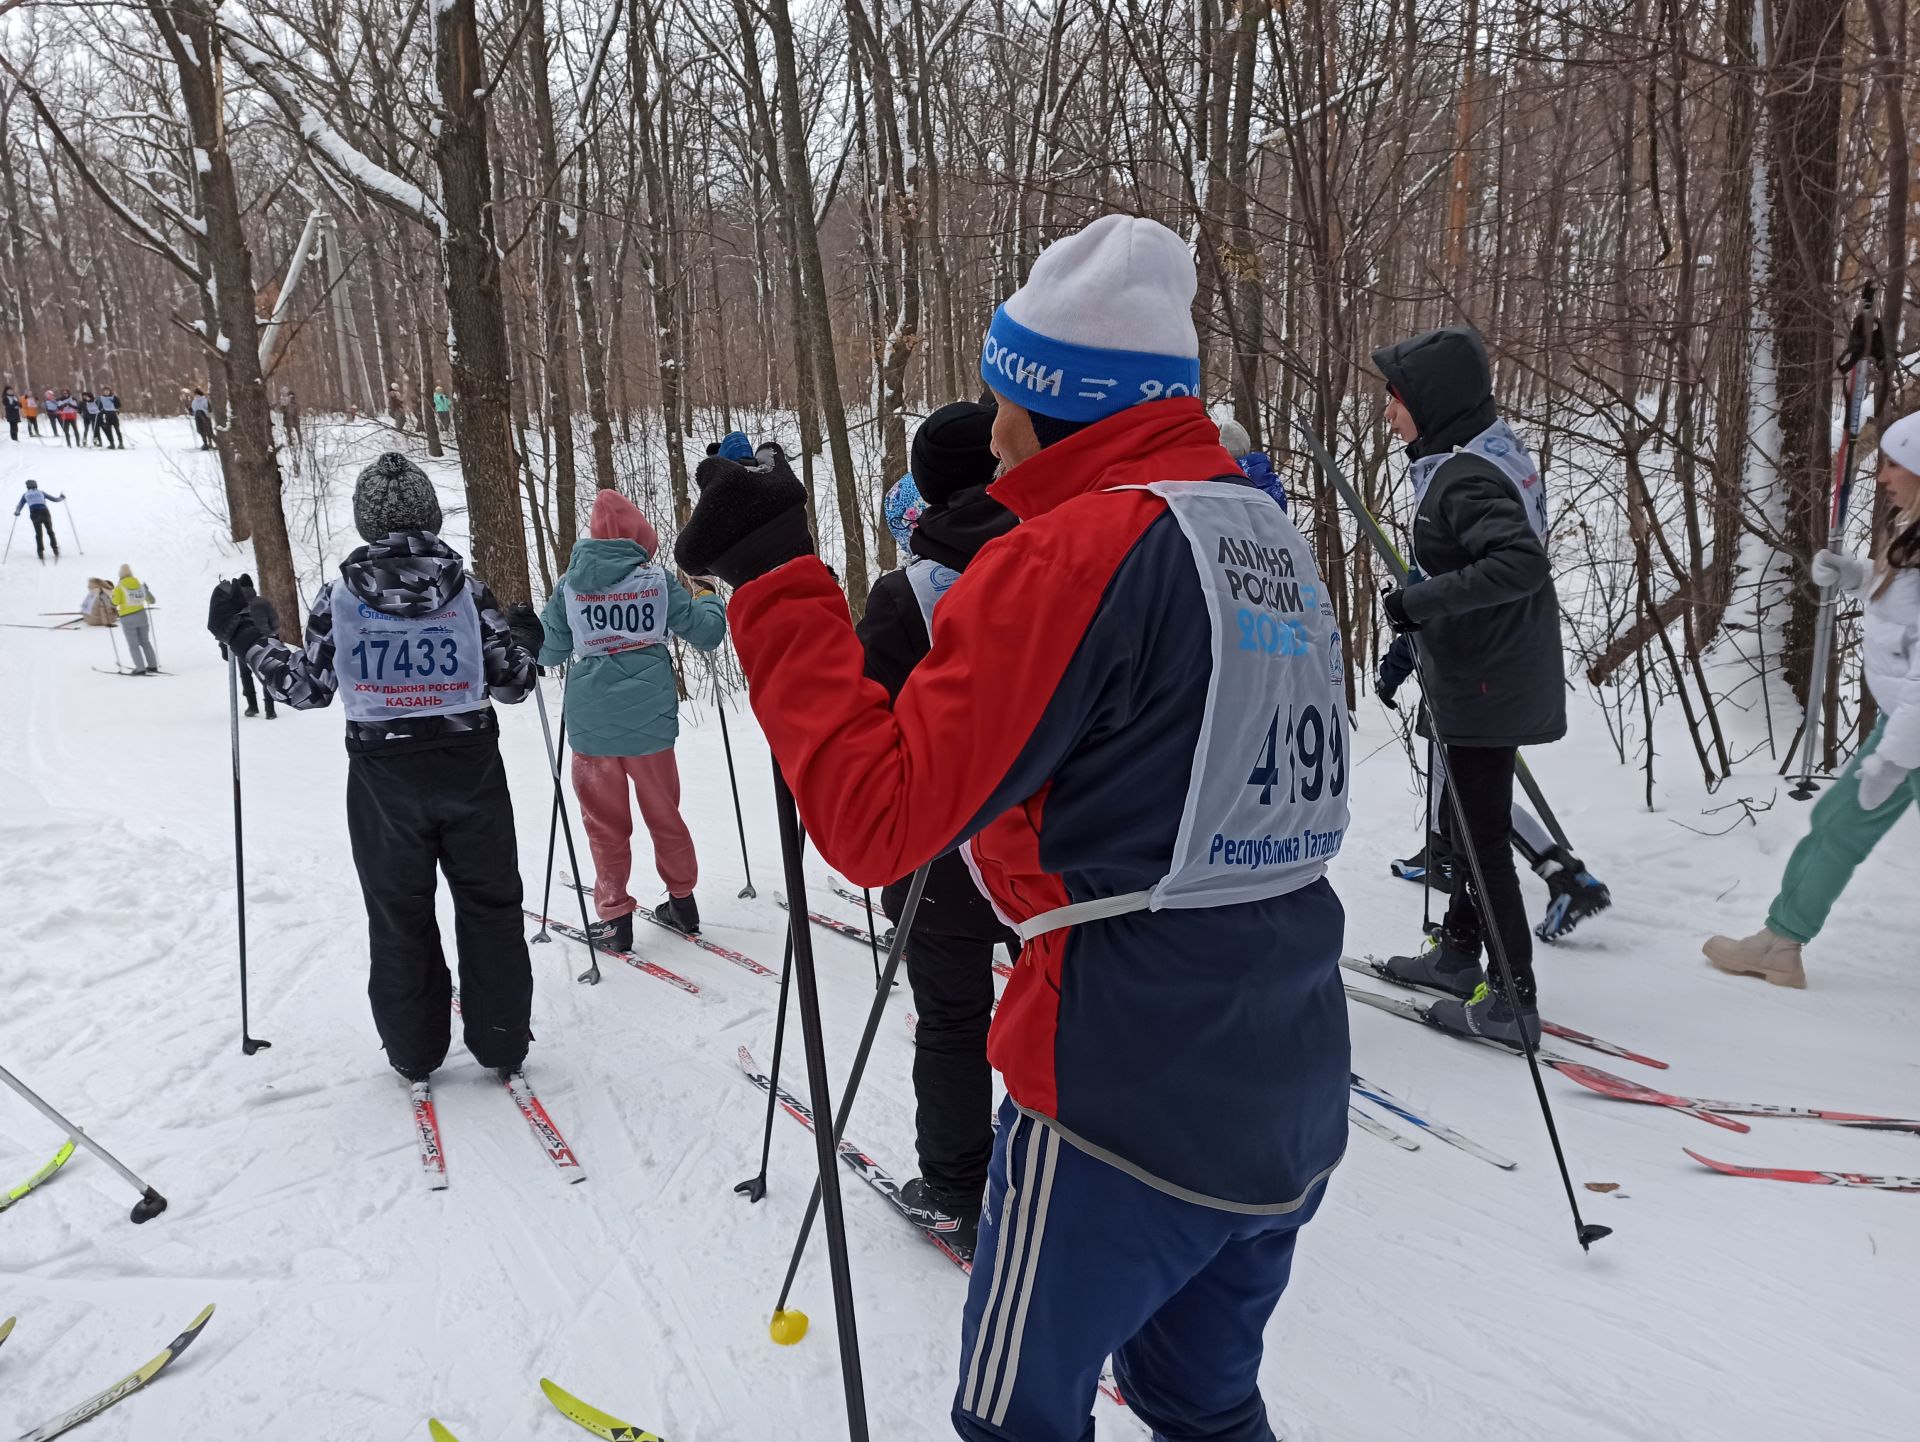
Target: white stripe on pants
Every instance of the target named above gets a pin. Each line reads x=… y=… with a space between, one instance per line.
x=1023 y=1216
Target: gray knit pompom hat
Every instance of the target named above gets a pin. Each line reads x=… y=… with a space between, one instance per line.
x=393 y=494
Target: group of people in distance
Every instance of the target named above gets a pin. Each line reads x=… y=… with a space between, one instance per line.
x=88 y=418
x=1104 y=701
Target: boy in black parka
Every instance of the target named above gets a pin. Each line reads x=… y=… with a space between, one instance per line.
x=950 y=949
x=1487 y=624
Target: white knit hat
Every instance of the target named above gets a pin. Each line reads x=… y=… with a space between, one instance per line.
x=1105 y=321
x=1900 y=442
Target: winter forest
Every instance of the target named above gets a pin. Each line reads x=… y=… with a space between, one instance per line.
x=607 y=229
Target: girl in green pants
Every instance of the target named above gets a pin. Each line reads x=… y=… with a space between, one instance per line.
x=1883 y=779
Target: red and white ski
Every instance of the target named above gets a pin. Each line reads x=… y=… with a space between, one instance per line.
x=1621 y=1089
x=426 y=1131
x=1818 y=1179
x=544 y=1131
x=632 y=959
x=738 y=958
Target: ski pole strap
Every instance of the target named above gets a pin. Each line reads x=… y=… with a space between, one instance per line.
x=1100 y=908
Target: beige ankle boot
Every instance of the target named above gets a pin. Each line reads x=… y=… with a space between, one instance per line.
x=1764 y=954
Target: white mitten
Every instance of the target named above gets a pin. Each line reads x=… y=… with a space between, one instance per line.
x=1879 y=779
x=1833 y=568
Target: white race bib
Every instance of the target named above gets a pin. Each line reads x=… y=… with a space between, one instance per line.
x=621 y=617
x=392 y=666
x=930 y=581
x=1266 y=807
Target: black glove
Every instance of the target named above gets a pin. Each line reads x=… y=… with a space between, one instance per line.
x=749 y=520
x=528 y=634
x=227 y=618
x=1384 y=685
x=1393 y=600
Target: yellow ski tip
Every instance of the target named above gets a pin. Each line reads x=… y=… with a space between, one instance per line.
x=6 y=1328
x=611 y=1429
x=438 y=1432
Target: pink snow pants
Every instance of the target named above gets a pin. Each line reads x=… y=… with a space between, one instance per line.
x=601 y=784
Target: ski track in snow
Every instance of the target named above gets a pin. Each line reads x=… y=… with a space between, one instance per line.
x=1433 y=1298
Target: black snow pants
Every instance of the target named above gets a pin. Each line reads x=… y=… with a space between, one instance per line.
x=43 y=535
x=406 y=813
x=1482 y=777
x=110 y=428
x=952 y=981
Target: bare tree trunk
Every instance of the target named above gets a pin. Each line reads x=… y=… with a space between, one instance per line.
x=662 y=276
x=553 y=295
x=482 y=363
x=817 y=323
x=187 y=26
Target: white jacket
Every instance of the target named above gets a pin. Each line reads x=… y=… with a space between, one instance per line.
x=1891 y=650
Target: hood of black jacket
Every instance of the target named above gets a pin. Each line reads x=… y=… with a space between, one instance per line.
x=408 y=573
x=1444 y=380
x=951 y=534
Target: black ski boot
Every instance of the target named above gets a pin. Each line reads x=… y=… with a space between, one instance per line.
x=1575 y=894
x=954 y=1223
x=613 y=934
x=1448 y=963
x=682 y=913
x=251 y=711
x=1421 y=867
x=1488 y=1013
x=411 y=1075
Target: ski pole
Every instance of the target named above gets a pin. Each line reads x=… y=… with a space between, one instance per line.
x=739 y=820
x=825 y=1152
x=754 y=1188
x=249 y=1044
x=1863 y=344
x=7 y=555
x=873 y=935
x=553 y=840
x=78 y=544
x=151 y=1203
x=591 y=976
x=895 y=949
x=1586 y=1232
x=1429 y=820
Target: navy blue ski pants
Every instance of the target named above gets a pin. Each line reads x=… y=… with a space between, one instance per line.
x=1077 y=1261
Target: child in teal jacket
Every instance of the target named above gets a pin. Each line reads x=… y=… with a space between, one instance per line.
x=611 y=616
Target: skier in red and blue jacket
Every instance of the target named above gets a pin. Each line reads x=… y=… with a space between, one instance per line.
x=1132 y=716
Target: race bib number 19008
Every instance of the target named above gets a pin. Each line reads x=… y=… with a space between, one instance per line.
x=621 y=617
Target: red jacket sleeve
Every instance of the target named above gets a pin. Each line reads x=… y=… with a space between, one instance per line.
x=882 y=790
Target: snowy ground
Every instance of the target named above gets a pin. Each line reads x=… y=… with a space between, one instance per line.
x=1435 y=1297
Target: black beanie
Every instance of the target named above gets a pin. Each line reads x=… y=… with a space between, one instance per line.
x=393 y=494
x=953 y=450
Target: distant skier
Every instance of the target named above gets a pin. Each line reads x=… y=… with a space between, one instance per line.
x=265 y=620
x=30 y=410
x=1573 y=892
x=396 y=407
x=290 y=415
x=950 y=950
x=131 y=598
x=1487 y=623
x=110 y=420
x=89 y=418
x=68 y=410
x=443 y=412
x=34 y=502
x=11 y=403
x=201 y=410
x=611 y=615
x=1882 y=781
x=1174 y=1039
x=423 y=651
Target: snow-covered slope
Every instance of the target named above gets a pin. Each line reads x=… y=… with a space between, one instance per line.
x=1435 y=1297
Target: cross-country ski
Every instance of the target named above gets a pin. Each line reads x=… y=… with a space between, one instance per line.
x=1314 y=608
x=1813 y=1178
x=58 y=1160
x=140 y=1377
